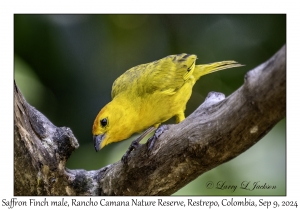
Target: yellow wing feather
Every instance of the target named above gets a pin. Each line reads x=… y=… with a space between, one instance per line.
x=166 y=75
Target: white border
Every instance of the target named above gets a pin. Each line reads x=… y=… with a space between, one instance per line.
x=8 y=8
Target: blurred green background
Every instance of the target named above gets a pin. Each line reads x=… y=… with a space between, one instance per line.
x=65 y=66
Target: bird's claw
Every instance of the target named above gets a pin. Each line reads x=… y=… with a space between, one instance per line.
x=134 y=145
x=151 y=141
x=124 y=159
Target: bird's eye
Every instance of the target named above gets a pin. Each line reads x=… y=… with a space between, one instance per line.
x=103 y=122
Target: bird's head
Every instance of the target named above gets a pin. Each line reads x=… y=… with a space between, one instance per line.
x=101 y=128
x=108 y=126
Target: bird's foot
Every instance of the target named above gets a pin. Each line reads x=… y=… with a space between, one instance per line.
x=151 y=141
x=134 y=145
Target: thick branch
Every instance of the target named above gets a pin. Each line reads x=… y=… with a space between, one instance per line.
x=219 y=130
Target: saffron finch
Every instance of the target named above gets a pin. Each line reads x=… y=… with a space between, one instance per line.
x=149 y=94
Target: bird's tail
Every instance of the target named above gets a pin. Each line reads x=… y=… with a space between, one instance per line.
x=204 y=69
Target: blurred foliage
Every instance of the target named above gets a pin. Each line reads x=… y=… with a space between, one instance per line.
x=65 y=66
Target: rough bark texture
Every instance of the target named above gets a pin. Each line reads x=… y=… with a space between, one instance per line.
x=219 y=130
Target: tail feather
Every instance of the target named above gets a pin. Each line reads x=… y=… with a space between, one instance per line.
x=201 y=70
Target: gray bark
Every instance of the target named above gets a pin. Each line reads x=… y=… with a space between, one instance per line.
x=219 y=130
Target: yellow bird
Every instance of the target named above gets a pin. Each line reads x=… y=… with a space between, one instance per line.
x=149 y=94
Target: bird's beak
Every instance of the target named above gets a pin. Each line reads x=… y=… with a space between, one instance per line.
x=97 y=142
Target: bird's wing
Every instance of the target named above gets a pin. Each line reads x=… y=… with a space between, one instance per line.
x=166 y=75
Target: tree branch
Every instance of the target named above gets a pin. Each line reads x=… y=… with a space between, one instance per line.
x=219 y=130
